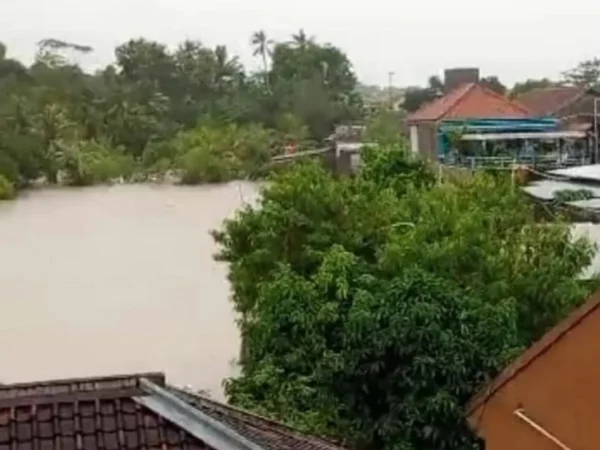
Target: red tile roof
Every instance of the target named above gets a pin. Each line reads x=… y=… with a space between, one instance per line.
x=133 y=412
x=469 y=101
x=537 y=350
x=548 y=101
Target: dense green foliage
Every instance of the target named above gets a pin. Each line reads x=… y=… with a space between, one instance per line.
x=193 y=110
x=7 y=190
x=372 y=308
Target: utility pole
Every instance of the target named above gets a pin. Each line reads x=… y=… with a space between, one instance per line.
x=596 y=131
x=390 y=79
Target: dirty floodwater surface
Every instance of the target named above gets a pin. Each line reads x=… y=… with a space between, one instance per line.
x=117 y=279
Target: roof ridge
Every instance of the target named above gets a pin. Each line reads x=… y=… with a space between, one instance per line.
x=537 y=349
x=487 y=90
x=82 y=380
x=75 y=389
x=468 y=87
x=459 y=92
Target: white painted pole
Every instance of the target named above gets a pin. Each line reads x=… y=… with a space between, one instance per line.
x=521 y=415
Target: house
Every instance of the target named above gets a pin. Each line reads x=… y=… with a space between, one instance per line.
x=549 y=397
x=464 y=98
x=133 y=412
x=573 y=105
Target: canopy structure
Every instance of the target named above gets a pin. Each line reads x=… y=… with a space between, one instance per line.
x=493 y=142
x=543 y=135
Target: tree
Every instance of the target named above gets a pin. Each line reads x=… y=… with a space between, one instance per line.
x=301 y=40
x=585 y=74
x=528 y=85
x=315 y=83
x=262 y=47
x=372 y=308
x=415 y=97
x=494 y=84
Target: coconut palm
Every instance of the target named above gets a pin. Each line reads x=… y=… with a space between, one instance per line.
x=262 y=46
x=301 y=40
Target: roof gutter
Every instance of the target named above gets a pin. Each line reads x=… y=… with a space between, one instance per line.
x=195 y=422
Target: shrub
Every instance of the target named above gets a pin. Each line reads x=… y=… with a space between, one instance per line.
x=90 y=162
x=7 y=189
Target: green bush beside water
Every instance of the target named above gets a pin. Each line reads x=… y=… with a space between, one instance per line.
x=7 y=190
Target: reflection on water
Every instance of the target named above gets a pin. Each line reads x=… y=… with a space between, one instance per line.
x=117 y=279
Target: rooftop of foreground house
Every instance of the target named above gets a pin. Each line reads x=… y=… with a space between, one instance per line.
x=138 y=411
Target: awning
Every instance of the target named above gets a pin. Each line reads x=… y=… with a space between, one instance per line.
x=567 y=134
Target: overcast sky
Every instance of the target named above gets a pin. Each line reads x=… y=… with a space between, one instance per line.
x=513 y=39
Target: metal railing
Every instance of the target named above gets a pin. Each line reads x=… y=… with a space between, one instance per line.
x=547 y=162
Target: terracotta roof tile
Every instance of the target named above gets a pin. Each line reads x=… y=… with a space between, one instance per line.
x=133 y=412
x=548 y=101
x=85 y=414
x=469 y=101
x=269 y=434
x=535 y=351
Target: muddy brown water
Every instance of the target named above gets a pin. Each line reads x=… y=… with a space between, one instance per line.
x=117 y=279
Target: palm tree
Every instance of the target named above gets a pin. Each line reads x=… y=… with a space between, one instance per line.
x=225 y=68
x=262 y=46
x=301 y=39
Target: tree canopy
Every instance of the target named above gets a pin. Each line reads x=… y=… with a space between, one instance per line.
x=152 y=96
x=372 y=308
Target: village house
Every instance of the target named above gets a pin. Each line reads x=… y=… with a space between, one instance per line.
x=464 y=98
x=133 y=412
x=549 y=397
x=573 y=105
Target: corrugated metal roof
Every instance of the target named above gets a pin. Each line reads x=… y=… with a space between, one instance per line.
x=590 y=172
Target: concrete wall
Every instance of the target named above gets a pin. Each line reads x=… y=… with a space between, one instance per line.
x=427 y=139
x=414 y=139
x=460 y=75
x=560 y=390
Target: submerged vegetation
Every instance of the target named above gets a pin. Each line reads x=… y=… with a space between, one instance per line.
x=373 y=307
x=192 y=112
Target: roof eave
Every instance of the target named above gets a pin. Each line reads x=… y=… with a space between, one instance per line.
x=533 y=352
x=198 y=424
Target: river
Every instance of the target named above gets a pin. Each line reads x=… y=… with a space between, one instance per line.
x=117 y=279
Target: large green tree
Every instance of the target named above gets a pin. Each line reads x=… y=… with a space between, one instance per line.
x=372 y=308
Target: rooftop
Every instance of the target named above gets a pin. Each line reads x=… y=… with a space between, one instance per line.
x=548 y=101
x=535 y=351
x=135 y=411
x=469 y=101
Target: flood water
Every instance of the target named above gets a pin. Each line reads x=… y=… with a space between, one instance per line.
x=117 y=279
